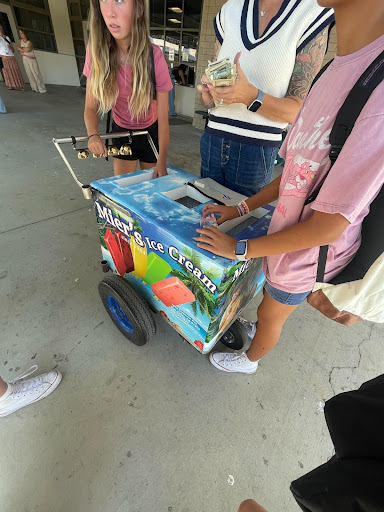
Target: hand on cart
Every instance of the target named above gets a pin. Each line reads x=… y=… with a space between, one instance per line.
x=225 y=212
x=213 y=240
x=97 y=146
x=160 y=170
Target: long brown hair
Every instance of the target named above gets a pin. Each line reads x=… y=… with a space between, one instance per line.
x=105 y=65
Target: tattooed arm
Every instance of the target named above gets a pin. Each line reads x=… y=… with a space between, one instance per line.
x=282 y=110
x=307 y=65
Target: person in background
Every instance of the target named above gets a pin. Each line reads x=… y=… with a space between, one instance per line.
x=278 y=47
x=179 y=74
x=171 y=95
x=20 y=392
x=11 y=71
x=121 y=78
x=1 y=69
x=3 y=110
x=25 y=47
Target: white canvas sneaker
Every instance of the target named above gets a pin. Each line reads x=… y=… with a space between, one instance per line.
x=21 y=393
x=233 y=362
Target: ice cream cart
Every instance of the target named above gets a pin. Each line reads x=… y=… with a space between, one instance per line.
x=146 y=228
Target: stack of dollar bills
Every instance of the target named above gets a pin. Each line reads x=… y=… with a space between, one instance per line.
x=221 y=73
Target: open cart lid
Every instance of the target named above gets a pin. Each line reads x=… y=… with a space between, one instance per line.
x=174 y=203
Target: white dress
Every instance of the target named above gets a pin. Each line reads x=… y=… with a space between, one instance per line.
x=32 y=69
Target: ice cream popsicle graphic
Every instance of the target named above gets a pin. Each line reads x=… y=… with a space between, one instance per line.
x=125 y=248
x=157 y=269
x=139 y=258
x=172 y=292
x=116 y=252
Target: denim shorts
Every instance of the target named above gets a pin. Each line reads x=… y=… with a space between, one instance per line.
x=289 y=299
x=244 y=168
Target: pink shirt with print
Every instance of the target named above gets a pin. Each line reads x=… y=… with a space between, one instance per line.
x=120 y=111
x=352 y=184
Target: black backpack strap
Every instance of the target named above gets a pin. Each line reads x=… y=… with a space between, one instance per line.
x=153 y=73
x=343 y=126
x=321 y=72
x=350 y=111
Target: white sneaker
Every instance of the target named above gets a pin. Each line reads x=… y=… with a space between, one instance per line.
x=233 y=362
x=21 y=393
x=250 y=327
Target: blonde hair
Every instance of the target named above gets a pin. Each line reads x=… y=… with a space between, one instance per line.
x=105 y=66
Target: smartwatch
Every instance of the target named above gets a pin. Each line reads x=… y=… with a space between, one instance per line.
x=241 y=250
x=256 y=104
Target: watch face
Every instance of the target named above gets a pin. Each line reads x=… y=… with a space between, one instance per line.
x=255 y=106
x=240 y=248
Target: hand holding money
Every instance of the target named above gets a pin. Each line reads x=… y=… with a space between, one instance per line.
x=221 y=73
x=236 y=88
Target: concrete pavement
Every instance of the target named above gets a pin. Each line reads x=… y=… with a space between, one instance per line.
x=138 y=429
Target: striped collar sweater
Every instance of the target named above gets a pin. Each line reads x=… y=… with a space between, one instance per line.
x=267 y=61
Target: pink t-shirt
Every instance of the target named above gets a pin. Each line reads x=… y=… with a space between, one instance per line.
x=120 y=111
x=353 y=182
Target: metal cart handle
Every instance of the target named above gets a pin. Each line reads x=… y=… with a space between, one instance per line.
x=73 y=140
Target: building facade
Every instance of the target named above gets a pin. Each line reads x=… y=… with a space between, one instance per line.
x=183 y=29
x=49 y=27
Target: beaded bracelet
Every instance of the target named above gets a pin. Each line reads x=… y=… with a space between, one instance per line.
x=93 y=134
x=242 y=208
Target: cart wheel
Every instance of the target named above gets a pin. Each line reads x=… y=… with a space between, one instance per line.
x=236 y=336
x=128 y=310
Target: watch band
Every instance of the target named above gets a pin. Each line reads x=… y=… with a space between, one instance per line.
x=242 y=257
x=256 y=104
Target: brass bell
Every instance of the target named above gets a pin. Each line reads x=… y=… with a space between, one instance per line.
x=113 y=151
x=98 y=156
x=125 y=150
x=81 y=155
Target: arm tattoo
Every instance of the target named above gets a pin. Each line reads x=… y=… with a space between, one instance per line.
x=308 y=64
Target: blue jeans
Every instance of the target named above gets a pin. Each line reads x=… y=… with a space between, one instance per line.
x=289 y=299
x=243 y=168
x=171 y=100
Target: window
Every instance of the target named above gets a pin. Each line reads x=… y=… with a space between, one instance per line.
x=76 y=19
x=84 y=6
x=157 y=13
x=175 y=27
x=34 y=17
x=4 y=22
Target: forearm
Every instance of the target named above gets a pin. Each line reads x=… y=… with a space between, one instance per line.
x=279 y=110
x=91 y=121
x=163 y=141
x=267 y=195
x=320 y=229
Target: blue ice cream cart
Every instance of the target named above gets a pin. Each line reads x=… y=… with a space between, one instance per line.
x=146 y=228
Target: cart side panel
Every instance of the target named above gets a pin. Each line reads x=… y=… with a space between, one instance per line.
x=239 y=286
x=174 y=278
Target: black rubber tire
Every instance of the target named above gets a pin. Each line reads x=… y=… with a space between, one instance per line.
x=133 y=305
x=235 y=337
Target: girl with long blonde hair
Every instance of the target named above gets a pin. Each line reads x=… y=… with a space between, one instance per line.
x=128 y=75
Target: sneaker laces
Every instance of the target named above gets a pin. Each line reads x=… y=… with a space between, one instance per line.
x=232 y=359
x=20 y=386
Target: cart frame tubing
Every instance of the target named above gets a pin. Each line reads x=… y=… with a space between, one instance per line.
x=74 y=140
